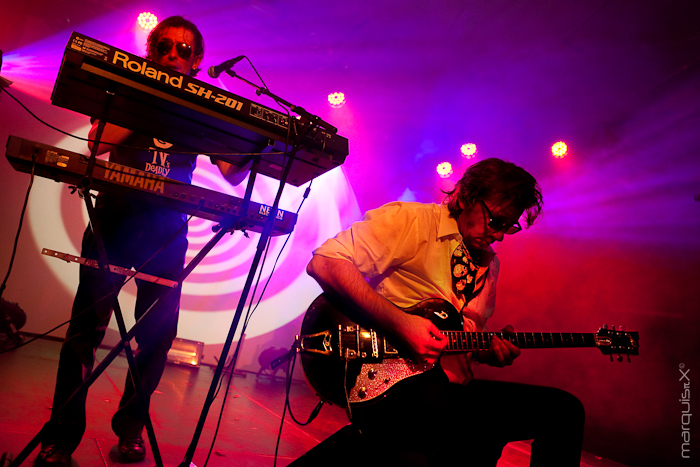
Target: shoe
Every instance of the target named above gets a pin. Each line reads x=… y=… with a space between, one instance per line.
x=132 y=448
x=53 y=456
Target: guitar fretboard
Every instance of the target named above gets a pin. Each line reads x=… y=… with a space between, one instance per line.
x=461 y=341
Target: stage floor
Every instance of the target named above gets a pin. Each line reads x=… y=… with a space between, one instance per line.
x=247 y=435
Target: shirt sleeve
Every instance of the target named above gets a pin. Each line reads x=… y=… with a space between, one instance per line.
x=385 y=238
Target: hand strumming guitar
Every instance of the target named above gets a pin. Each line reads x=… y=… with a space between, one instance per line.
x=341 y=278
x=421 y=336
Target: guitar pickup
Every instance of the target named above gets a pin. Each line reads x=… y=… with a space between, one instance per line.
x=358 y=342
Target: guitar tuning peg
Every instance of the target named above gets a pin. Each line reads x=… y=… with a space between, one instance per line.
x=605 y=326
x=628 y=359
x=622 y=328
x=611 y=357
x=619 y=357
x=613 y=327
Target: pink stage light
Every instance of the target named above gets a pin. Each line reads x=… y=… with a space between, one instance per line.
x=147 y=21
x=444 y=169
x=336 y=99
x=468 y=150
x=559 y=149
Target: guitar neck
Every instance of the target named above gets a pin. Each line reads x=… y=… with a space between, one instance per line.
x=462 y=341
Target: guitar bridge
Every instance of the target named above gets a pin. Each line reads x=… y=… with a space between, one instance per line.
x=319 y=342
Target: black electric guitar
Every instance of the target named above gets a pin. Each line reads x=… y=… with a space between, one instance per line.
x=350 y=363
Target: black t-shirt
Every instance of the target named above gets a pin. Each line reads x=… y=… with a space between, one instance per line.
x=153 y=156
x=161 y=158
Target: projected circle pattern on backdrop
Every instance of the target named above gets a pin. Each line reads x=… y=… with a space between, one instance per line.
x=211 y=293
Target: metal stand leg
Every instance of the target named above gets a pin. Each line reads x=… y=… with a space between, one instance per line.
x=122 y=345
x=126 y=337
x=265 y=235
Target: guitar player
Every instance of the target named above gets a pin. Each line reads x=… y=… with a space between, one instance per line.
x=402 y=253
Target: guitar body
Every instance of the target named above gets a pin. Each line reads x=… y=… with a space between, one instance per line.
x=350 y=363
x=347 y=362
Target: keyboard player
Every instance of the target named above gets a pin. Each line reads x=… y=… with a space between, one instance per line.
x=133 y=232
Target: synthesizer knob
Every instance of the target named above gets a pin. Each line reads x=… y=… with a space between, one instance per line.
x=362 y=393
x=371 y=374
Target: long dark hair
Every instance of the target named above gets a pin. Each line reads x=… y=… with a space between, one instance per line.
x=499 y=181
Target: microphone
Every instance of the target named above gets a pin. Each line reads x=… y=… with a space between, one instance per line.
x=215 y=71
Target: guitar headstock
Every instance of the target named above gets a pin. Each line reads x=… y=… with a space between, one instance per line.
x=620 y=342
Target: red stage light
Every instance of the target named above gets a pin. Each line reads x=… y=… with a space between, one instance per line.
x=336 y=99
x=468 y=150
x=444 y=169
x=147 y=20
x=559 y=149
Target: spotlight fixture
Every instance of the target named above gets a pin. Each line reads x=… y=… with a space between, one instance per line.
x=444 y=169
x=185 y=352
x=468 y=150
x=147 y=21
x=559 y=149
x=336 y=99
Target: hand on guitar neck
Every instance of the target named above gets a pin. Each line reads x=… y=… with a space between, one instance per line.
x=501 y=353
x=425 y=342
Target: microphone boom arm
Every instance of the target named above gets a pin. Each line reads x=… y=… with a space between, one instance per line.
x=313 y=119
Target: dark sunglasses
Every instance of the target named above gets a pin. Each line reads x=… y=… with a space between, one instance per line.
x=164 y=47
x=499 y=224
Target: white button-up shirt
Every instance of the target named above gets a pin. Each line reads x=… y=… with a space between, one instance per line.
x=404 y=251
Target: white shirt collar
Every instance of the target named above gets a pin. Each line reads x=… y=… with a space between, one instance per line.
x=448 y=227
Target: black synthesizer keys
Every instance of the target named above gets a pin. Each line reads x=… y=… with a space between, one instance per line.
x=177 y=108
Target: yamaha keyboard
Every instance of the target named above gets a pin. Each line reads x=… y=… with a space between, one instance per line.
x=70 y=167
x=160 y=102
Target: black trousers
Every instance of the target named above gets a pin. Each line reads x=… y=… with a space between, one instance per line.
x=427 y=421
x=132 y=235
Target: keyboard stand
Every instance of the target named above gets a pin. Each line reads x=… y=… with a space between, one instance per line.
x=229 y=224
x=126 y=337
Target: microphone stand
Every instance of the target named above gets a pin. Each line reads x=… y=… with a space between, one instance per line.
x=264 y=236
x=314 y=120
